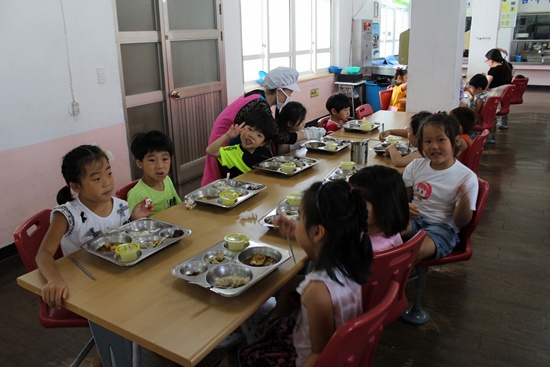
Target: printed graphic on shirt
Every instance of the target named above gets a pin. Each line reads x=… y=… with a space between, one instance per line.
x=423 y=191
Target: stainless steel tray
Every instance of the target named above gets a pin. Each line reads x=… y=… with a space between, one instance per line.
x=274 y=164
x=402 y=147
x=355 y=126
x=320 y=145
x=338 y=173
x=283 y=208
x=216 y=262
x=152 y=234
x=209 y=194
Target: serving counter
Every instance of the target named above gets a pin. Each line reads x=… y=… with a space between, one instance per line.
x=183 y=322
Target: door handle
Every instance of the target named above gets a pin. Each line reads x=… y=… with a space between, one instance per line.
x=175 y=94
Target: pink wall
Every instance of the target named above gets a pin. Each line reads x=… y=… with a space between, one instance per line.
x=32 y=174
x=316 y=105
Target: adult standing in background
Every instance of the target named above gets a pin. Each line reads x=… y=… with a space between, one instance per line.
x=500 y=70
x=279 y=84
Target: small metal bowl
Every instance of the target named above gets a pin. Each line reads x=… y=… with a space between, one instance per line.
x=285 y=158
x=224 y=256
x=205 y=194
x=226 y=184
x=148 y=242
x=252 y=186
x=336 y=177
x=287 y=210
x=222 y=271
x=270 y=164
x=193 y=268
x=248 y=254
x=143 y=227
x=172 y=232
x=113 y=238
x=315 y=144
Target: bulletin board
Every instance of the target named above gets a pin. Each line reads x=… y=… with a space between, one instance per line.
x=508 y=12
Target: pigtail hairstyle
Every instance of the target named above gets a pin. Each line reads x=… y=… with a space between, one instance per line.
x=343 y=212
x=400 y=71
x=73 y=168
x=447 y=123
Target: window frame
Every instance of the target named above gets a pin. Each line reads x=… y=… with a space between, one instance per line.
x=394 y=40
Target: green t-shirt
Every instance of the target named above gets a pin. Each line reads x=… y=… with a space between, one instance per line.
x=239 y=160
x=161 y=199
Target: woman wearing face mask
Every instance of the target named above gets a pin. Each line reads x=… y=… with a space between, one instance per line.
x=279 y=84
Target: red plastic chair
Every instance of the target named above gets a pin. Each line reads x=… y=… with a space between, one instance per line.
x=385 y=98
x=473 y=156
x=505 y=100
x=122 y=193
x=521 y=86
x=363 y=111
x=354 y=343
x=488 y=116
x=322 y=122
x=388 y=266
x=462 y=252
x=28 y=237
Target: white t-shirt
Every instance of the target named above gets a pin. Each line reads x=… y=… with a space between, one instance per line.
x=435 y=191
x=85 y=224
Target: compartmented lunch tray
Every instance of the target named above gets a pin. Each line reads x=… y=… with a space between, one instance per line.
x=230 y=273
x=338 y=173
x=210 y=194
x=274 y=164
x=402 y=147
x=355 y=126
x=321 y=145
x=283 y=208
x=151 y=234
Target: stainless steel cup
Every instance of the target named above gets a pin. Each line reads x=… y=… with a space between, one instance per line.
x=359 y=151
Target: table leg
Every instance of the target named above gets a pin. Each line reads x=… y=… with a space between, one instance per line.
x=115 y=351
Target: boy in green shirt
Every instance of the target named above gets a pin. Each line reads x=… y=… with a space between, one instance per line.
x=153 y=153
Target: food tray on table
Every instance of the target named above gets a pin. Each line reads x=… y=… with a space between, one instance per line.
x=230 y=273
x=355 y=126
x=152 y=235
x=209 y=194
x=322 y=146
x=283 y=208
x=338 y=173
x=274 y=164
x=403 y=147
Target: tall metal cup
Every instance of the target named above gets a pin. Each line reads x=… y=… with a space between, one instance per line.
x=360 y=151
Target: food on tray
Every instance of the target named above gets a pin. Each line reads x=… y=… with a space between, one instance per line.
x=215 y=259
x=260 y=260
x=176 y=233
x=109 y=246
x=207 y=197
x=232 y=281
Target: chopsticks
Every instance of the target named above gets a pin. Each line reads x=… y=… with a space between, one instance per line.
x=81 y=267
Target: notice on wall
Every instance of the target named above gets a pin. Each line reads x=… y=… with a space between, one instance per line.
x=534 y=6
x=508 y=12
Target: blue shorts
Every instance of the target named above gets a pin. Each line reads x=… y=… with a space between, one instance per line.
x=443 y=235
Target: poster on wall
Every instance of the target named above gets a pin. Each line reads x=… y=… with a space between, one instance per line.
x=508 y=13
x=534 y=6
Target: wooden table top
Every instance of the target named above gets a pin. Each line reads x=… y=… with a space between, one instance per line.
x=184 y=322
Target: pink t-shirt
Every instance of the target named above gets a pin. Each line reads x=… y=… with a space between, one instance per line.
x=381 y=243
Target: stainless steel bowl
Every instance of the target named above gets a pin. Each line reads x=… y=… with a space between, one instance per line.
x=114 y=238
x=143 y=227
x=205 y=194
x=223 y=271
x=193 y=268
x=246 y=255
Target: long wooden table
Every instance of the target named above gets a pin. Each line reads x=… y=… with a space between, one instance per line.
x=180 y=321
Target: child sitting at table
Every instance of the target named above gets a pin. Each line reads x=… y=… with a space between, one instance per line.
x=476 y=87
x=153 y=152
x=255 y=132
x=387 y=205
x=333 y=219
x=399 y=90
x=396 y=157
x=79 y=218
x=291 y=118
x=442 y=191
x=467 y=119
x=338 y=105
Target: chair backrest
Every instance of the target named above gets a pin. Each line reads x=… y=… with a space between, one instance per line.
x=391 y=265
x=463 y=250
x=488 y=114
x=385 y=98
x=122 y=193
x=505 y=100
x=363 y=111
x=28 y=237
x=322 y=122
x=521 y=86
x=473 y=157
x=354 y=343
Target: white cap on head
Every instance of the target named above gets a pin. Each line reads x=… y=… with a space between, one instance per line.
x=281 y=77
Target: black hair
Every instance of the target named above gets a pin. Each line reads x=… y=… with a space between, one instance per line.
x=263 y=122
x=384 y=188
x=400 y=71
x=448 y=123
x=417 y=119
x=343 y=212
x=291 y=115
x=152 y=141
x=338 y=101
x=73 y=168
x=479 y=81
x=466 y=118
x=495 y=55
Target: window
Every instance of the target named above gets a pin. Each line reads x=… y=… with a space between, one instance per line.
x=394 y=19
x=292 y=33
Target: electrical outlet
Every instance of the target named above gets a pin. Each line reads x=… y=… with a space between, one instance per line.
x=314 y=92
